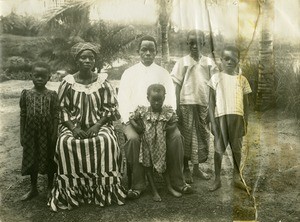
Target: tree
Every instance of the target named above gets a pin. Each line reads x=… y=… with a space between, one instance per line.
x=164 y=14
x=265 y=94
x=70 y=23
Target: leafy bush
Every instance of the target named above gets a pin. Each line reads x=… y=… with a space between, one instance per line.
x=24 y=46
x=287 y=83
x=18 y=53
x=113 y=39
x=19 y=25
x=16 y=64
x=287 y=91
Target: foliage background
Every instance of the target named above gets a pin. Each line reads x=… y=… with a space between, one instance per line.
x=25 y=39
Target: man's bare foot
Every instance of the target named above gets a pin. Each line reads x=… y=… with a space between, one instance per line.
x=188 y=176
x=31 y=194
x=174 y=192
x=156 y=197
x=200 y=174
x=216 y=185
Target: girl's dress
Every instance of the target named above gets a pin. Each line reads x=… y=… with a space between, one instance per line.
x=153 y=145
x=38 y=111
x=88 y=169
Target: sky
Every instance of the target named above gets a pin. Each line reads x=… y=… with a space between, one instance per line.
x=230 y=17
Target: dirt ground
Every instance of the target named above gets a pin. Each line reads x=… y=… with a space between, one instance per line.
x=271 y=157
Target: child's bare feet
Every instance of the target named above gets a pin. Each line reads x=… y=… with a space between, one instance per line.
x=200 y=174
x=216 y=185
x=188 y=176
x=156 y=197
x=31 y=194
x=174 y=192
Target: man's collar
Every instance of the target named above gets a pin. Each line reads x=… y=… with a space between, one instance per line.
x=141 y=64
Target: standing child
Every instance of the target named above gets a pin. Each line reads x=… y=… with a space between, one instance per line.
x=190 y=75
x=38 y=128
x=228 y=113
x=153 y=122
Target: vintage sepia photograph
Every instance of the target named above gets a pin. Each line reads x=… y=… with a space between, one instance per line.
x=150 y=110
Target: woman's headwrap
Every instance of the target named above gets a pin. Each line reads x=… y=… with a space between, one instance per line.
x=81 y=46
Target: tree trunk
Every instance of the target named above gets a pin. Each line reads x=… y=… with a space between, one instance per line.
x=164 y=22
x=265 y=93
x=165 y=45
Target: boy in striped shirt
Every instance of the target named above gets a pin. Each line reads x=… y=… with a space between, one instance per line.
x=228 y=113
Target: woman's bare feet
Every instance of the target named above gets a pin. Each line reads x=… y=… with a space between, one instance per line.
x=216 y=185
x=31 y=194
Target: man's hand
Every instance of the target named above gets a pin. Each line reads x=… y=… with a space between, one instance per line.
x=138 y=127
x=170 y=127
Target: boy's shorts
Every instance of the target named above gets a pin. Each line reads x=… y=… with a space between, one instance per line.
x=230 y=130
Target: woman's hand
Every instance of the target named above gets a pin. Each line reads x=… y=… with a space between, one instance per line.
x=79 y=133
x=93 y=131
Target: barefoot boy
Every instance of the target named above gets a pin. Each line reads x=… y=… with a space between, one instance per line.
x=190 y=75
x=228 y=112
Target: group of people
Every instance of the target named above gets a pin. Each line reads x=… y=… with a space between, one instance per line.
x=166 y=120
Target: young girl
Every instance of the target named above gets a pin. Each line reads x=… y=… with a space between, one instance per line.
x=38 y=128
x=228 y=113
x=153 y=122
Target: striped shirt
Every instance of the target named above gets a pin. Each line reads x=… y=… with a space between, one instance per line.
x=230 y=90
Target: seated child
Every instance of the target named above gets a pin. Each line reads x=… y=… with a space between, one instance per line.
x=153 y=122
x=228 y=113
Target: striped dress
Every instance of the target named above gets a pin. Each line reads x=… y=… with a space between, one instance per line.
x=88 y=169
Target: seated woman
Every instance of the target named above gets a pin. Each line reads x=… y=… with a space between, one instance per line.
x=87 y=152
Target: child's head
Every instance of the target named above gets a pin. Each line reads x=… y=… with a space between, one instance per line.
x=40 y=74
x=196 y=41
x=230 y=59
x=156 y=96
